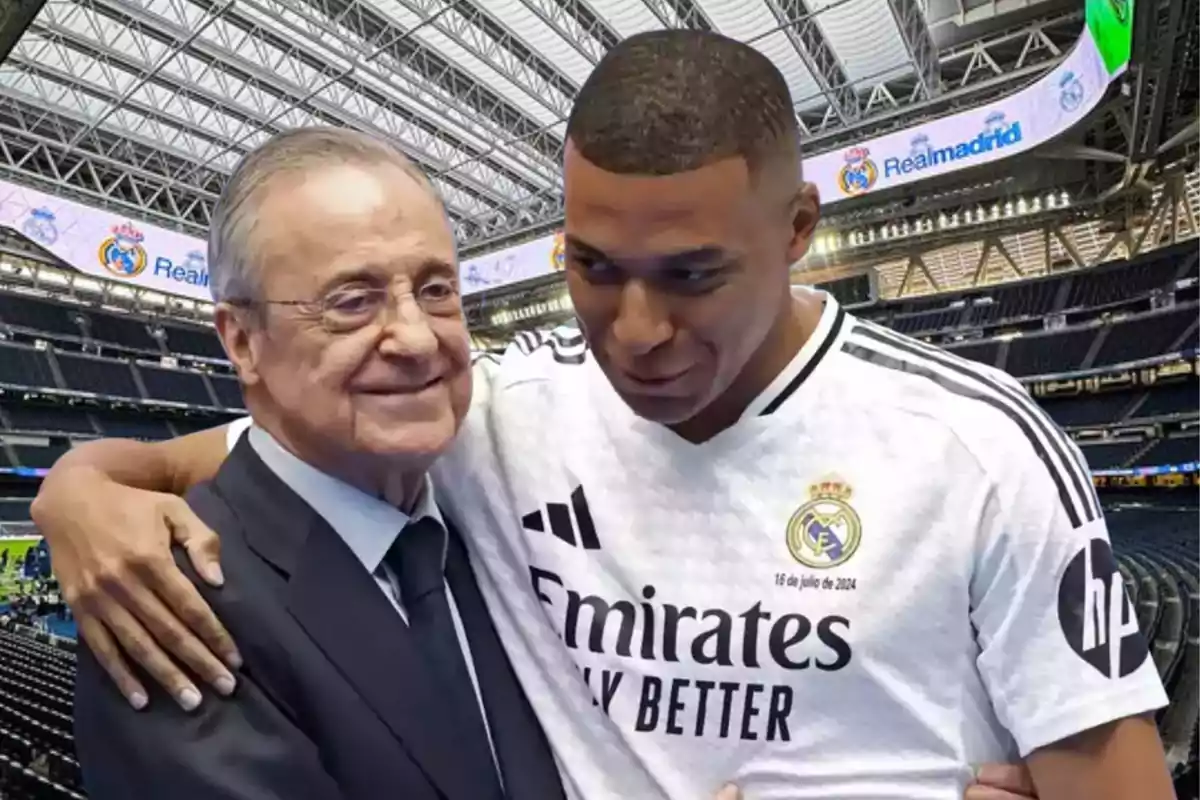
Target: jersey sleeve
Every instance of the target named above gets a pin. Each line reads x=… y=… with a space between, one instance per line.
x=1060 y=650
x=235 y=431
x=485 y=372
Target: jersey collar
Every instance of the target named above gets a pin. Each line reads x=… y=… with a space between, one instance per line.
x=805 y=361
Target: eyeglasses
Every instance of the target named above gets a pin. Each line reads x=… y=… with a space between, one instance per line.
x=351 y=308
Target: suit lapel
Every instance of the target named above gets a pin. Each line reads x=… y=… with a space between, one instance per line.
x=342 y=608
x=526 y=760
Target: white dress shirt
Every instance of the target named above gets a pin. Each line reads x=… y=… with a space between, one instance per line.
x=366 y=524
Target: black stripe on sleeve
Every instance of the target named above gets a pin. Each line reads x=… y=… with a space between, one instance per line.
x=1017 y=397
x=1075 y=513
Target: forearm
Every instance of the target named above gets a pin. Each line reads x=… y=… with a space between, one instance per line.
x=172 y=466
x=140 y=465
x=1117 y=761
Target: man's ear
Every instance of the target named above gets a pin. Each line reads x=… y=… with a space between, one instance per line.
x=805 y=212
x=239 y=330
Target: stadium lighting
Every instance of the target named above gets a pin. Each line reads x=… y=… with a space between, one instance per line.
x=832 y=241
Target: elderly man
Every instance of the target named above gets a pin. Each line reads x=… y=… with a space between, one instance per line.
x=371 y=666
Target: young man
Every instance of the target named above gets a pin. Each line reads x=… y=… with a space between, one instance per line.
x=724 y=532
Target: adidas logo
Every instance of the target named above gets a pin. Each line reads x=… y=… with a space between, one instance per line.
x=565 y=521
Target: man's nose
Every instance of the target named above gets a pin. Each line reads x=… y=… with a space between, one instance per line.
x=407 y=332
x=643 y=319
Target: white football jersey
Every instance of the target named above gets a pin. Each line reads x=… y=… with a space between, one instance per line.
x=893 y=567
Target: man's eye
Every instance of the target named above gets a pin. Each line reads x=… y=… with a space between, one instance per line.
x=593 y=267
x=354 y=301
x=438 y=291
x=691 y=276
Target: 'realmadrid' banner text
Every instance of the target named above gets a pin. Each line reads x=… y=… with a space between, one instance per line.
x=111 y=246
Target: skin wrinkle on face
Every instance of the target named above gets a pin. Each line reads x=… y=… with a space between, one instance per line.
x=345 y=402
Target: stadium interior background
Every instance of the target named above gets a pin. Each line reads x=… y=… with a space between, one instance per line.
x=1073 y=265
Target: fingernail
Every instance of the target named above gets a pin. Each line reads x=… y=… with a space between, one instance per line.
x=234 y=660
x=225 y=684
x=215 y=576
x=138 y=701
x=188 y=699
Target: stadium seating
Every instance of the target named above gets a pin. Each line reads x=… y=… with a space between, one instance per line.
x=1109 y=315
x=1157 y=554
x=37 y=747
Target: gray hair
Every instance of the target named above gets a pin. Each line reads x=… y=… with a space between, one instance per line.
x=231 y=260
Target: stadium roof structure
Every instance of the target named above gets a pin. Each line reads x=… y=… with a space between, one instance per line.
x=145 y=105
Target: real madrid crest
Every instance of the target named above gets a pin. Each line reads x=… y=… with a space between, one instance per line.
x=825 y=532
x=558 y=253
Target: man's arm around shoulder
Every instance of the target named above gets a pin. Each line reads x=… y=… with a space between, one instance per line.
x=241 y=747
x=172 y=466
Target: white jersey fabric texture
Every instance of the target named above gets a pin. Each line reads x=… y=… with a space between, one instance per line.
x=893 y=567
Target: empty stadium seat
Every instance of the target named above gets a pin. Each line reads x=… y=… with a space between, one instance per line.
x=121 y=331
x=1110 y=455
x=14 y=509
x=1050 y=353
x=175 y=385
x=46 y=419
x=228 y=391
x=1107 y=285
x=928 y=321
x=39 y=315
x=22 y=365
x=194 y=341
x=132 y=425
x=97 y=375
x=985 y=352
x=1181 y=449
x=1024 y=300
x=1156 y=548
x=39 y=457
x=1090 y=409
x=1176 y=398
x=1145 y=337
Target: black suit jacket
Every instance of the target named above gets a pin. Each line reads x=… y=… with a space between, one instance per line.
x=334 y=701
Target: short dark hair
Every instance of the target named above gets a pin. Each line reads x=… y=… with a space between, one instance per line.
x=670 y=101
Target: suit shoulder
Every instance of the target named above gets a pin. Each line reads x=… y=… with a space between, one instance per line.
x=207 y=503
x=244 y=590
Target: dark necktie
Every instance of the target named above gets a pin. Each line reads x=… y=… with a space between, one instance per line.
x=418 y=560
